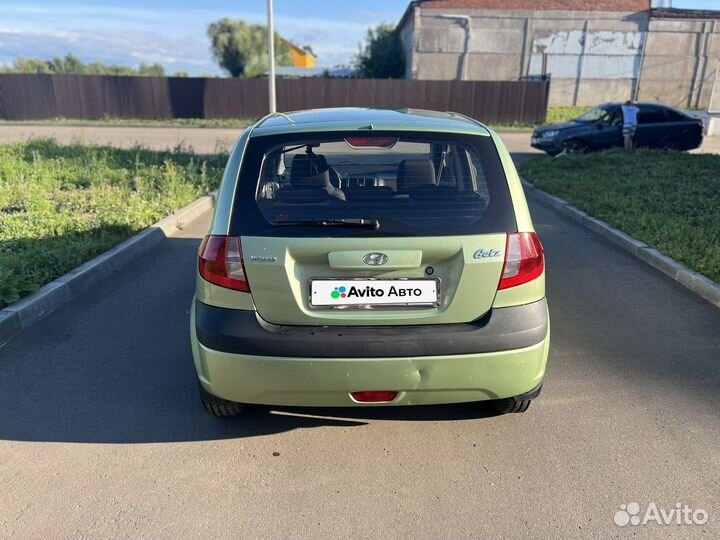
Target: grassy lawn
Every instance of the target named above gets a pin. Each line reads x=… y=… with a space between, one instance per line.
x=554 y=115
x=669 y=200
x=60 y=206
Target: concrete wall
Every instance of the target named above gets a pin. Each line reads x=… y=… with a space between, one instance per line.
x=407 y=38
x=592 y=56
x=681 y=61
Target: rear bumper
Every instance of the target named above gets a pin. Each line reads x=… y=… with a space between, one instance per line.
x=297 y=380
x=244 y=332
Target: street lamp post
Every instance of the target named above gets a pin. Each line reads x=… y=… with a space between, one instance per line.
x=271 y=56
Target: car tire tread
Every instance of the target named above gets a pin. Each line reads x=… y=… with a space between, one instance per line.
x=217 y=406
x=223 y=409
x=575 y=146
x=511 y=405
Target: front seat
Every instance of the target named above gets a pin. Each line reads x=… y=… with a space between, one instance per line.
x=312 y=171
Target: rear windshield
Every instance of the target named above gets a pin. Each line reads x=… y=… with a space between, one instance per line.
x=372 y=183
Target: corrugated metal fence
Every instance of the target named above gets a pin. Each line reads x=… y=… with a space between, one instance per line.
x=37 y=97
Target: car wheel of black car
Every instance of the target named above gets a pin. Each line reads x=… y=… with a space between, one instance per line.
x=575 y=146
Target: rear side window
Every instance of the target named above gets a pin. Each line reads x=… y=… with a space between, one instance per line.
x=651 y=115
x=372 y=183
x=676 y=116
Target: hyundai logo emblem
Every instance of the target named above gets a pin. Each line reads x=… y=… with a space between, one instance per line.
x=375 y=259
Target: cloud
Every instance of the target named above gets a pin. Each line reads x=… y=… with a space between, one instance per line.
x=173 y=37
x=125 y=48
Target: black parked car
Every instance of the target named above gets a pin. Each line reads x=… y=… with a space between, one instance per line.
x=659 y=126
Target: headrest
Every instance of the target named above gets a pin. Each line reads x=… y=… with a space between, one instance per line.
x=414 y=173
x=309 y=171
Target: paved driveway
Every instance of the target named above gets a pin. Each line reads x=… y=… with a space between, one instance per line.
x=208 y=140
x=202 y=140
x=102 y=435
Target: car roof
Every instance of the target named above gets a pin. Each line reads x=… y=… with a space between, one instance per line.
x=358 y=118
x=636 y=103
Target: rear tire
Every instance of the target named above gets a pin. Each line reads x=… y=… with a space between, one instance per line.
x=217 y=406
x=511 y=405
x=215 y=409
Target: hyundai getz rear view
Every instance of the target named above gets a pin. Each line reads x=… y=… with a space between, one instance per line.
x=363 y=257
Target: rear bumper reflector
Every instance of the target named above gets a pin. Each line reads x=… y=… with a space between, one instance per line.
x=382 y=396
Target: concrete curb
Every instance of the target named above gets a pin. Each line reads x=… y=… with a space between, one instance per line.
x=697 y=283
x=31 y=309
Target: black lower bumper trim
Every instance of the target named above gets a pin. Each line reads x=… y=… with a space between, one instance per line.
x=532 y=394
x=245 y=332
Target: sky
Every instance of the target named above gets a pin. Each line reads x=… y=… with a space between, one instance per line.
x=173 y=33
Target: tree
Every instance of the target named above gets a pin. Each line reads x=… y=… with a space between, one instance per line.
x=382 y=57
x=98 y=68
x=151 y=70
x=71 y=64
x=30 y=65
x=241 y=49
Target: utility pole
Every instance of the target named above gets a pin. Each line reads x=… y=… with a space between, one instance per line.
x=271 y=56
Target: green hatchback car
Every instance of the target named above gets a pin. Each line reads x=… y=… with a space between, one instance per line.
x=364 y=257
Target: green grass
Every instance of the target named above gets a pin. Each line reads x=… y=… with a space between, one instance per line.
x=60 y=206
x=555 y=114
x=669 y=200
x=142 y=122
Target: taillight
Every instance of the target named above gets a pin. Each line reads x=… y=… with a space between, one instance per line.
x=220 y=262
x=524 y=259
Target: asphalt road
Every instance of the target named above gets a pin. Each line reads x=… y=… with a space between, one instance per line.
x=206 y=140
x=102 y=434
x=201 y=140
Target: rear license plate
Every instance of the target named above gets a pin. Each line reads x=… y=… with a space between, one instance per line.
x=373 y=292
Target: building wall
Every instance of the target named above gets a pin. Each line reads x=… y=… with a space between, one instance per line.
x=592 y=56
x=562 y=5
x=407 y=38
x=681 y=62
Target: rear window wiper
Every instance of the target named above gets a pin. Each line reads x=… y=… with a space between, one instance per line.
x=360 y=223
